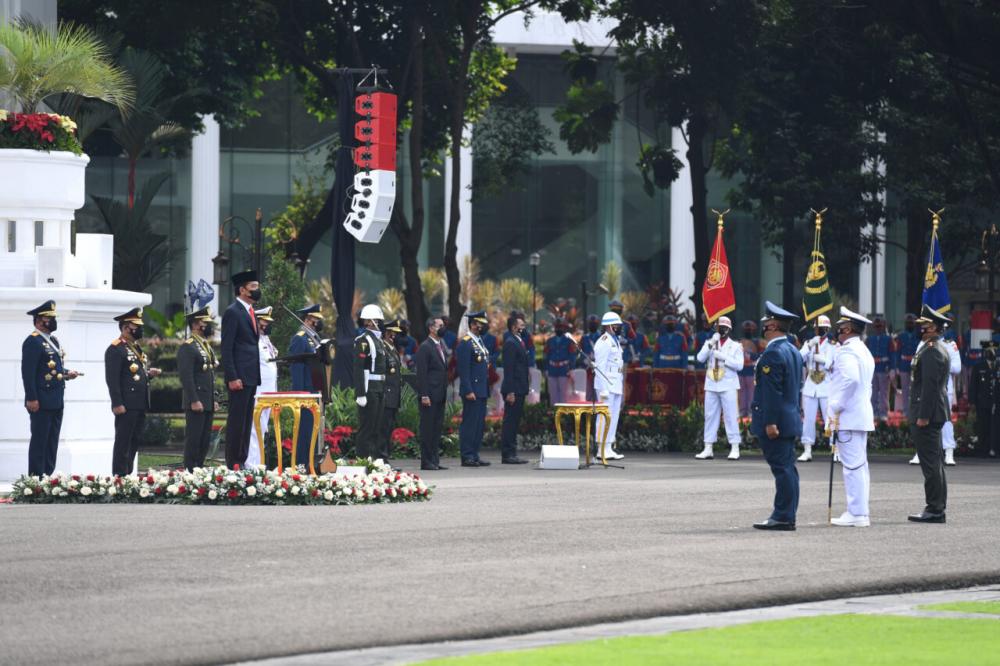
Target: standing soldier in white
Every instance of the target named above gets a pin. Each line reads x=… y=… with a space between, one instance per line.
x=851 y=414
x=268 y=379
x=609 y=377
x=948 y=430
x=723 y=358
x=817 y=358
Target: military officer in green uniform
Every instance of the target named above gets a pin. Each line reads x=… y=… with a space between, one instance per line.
x=44 y=379
x=196 y=364
x=127 y=373
x=393 y=387
x=930 y=409
x=370 y=370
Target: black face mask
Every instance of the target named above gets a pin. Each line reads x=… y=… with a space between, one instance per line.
x=748 y=333
x=723 y=332
x=136 y=332
x=910 y=326
x=592 y=327
x=256 y=295
x=51 y=325
x=617 y=329
x=265 y=329
x=207 y=331
x=318 y=325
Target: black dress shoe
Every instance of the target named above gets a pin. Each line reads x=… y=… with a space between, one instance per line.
x=430 y=468
x=483 y=463
x=777 y=525
x=926 y=517
x=514 y=461
x=441 y=467
x=470 y=463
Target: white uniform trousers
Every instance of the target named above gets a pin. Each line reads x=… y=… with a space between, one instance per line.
x=614 y=404
x=948 y=430
x=809 y=416
x=253 y=453
x=852 y=445
x=722 y=403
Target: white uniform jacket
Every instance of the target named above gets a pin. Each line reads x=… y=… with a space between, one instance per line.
x=608 y=359
x=268 y=369
x=851 y=387
x=817 y=358
x=730 y=359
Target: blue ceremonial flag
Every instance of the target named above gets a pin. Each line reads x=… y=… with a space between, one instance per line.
x=935 y=282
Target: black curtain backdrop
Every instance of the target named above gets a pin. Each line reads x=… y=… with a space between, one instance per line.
x=342 y=259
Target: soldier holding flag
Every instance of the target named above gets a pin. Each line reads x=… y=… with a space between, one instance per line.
x=817 y=353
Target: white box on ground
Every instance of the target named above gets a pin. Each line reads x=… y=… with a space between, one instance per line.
x=555 y=456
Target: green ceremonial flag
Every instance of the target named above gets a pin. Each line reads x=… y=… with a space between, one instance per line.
x=817 y=299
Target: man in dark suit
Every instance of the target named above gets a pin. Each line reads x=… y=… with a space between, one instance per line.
x=473 y=362
x=44 y=379
x=775 y=420
x=513 y=389
x=241 y=364
x=432 y=386
x=127 y=373
x=196 y=364
x=930 y=408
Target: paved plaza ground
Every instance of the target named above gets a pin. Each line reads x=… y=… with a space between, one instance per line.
x=499 y=550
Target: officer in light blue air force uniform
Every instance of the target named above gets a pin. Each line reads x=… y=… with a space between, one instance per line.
x=775 y=420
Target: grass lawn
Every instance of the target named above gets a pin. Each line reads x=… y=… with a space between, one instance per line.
x=988 y=607
x=836 y=640
x=147 y=460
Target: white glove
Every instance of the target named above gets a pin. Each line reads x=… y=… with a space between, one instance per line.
x=362 y=401
x=715 y=337
x=819 y=358
x=717 y=355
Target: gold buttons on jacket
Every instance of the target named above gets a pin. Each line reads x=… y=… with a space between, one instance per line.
x=134 y=368
x=52 y=364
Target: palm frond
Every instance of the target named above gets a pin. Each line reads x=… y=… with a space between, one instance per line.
x=393 y=303
x=611 y=278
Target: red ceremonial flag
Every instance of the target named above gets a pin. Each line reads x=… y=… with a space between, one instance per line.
x=717 y=295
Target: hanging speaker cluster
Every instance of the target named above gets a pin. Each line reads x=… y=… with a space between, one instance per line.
x=375 y=158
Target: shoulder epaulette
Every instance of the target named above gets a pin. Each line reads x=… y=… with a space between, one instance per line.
x=301 y=333
x=116 y=342
x=34 y=334
x=189 y=341
x=467 y=337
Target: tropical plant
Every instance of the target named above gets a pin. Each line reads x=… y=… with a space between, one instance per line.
x=164 y=326
x=393 y=303
x=469 y=278
x=515 y=294
x=635 y=302
x=283 y=288
x=321 y=291
x=435 y=284
x=36 y=63
x=308 y=196
x=141 y=255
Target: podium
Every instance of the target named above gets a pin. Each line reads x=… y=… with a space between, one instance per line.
x=584 y=410
x=296 y=401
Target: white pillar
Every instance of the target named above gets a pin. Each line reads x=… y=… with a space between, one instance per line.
x=464 y=237
x=203 y=234
x=871 y=274
x=681 y=225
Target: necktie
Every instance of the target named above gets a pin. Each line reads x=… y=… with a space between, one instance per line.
x=253 y=319
x=440 y=351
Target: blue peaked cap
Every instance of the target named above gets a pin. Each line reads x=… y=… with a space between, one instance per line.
x=772 y=311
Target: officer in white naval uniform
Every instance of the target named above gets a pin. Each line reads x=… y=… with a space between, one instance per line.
x=723 y=359
x=609 y=378
x=817 y=358
x=851 y=414
x=268 y=379
x=948 y=430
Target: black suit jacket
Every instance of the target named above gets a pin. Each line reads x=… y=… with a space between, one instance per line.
x=515 y=367
x=240 y=355
x=125 y=375
x=432 y=373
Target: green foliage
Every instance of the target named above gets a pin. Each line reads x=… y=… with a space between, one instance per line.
x=659 y=167
x=587 y=118
x=504 y=141
x=172 y=327
x=342 y=410
x=36 y=63
x=141 y=255
x=283 y=288
x=308 y=196
x=156 y=432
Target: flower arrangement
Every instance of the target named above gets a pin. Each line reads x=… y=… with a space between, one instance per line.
x=221 y=485
x=38 y=131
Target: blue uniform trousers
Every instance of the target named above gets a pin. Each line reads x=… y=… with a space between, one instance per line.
x=45 y=426
x=470 y=433
x=780 y=455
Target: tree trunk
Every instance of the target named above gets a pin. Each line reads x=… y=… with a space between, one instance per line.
x=917 y=247
x=131 y=182
x=696 y=129
x=455 y=306
x=410 y=236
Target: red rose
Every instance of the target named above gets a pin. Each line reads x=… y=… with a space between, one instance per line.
x=202 y=491
x=181 y=489
x=232 y=493
x=90 y=477
x=158 y=491
x=53 y=482
x=296 y=477
x=75 y=477
x=236 y=467
x=218 y=478
x=284 y=485
x=286 y=444
x=170 y=474
x=315 y=493
x=248 y=479
x=150 y=480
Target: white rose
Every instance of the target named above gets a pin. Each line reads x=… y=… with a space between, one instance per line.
x=27 y=491
x=144 y=492
x=231 y=478
x=86 y=491
x=328 y=495
x=112 y=490
x=74 y=484
x=212 y=495
x=296 y=490
x=172 y=489
x=251 y=491
x=279 y=492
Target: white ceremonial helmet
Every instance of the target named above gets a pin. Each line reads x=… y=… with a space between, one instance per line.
x=610 y=319
x=725 y=321
x=371 y=311
x=823 y=321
